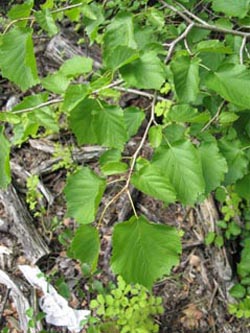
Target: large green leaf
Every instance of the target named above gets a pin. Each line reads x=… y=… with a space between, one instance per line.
x=184 y=113
x=144 y=251
x=214 y=165
x=56 y=82
x=182 y=165
x=92 y=122
x=76 y=66
x=120 y=32
x=17 y=60
x=237 y=8
x=74 y=94
x=153 y=181
x=186 y=78
x=231 y=82
x=5 y=176
x=110 y=126
x=85 y=245
x=81 y=121
x=119 y=56
x=83 y=191
x=236 y=159
x=148 y=72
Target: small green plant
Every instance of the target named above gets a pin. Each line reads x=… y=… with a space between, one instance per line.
x=231 y=203
x=128 y=308
x=34 y=196
x=65 y=157
x=34 y=318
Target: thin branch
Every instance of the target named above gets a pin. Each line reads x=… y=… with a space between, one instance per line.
x=66 y=8
x=192 y=15
x=141 y=93
x=33 y=108
x=59 y=100
x=242 y=47
x=132 y=203
x=214 y=117
x=111 y=85
x=176 y=41
x=202 y=24
x=187 y=46
x=30 y=18
x=135 y=155
x=117 y=196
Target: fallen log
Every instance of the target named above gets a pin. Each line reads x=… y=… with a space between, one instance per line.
x=21 y=224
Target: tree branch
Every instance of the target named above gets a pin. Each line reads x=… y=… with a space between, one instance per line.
x=190 y=18
x=176 y=41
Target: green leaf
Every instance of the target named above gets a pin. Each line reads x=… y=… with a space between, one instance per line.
x=213 y=46
x=237 y=160
x=156 y=17
x=83 y=191
x=81 y=121
x=74 y=94
x=242 y=187
x=45 y=19
x=42 y=116
x=5 y=176
x=76 y=66
x=111 y=164
x=214 y=165
x=88 y=12
x=210 y=237
x=120 y=32
x=113 y=168
x=243 y=267
x=56 y=82
x=17 y=60
x=186 y=78
x=182 y=165
x=232 y=82
x=92 y=122
x=154 y=182
x=111 y=155
x=228 y=117
x=119 y=56
x=20 y=11
x=92 y=26
x=237 y=8
x=133 y=119
x=144 y=251
x=85 y=245
x=148 y=72
x=155 y=136
x=110 y=126
x=184 y=113
x=237 y=291
x=47 y=4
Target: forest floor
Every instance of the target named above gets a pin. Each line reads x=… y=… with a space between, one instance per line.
x=195 y=295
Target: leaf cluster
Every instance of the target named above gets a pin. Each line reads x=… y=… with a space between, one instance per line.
x=193 y=67
x=128 y=308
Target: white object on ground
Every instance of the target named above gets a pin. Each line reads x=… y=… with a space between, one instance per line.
x=55 y=307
